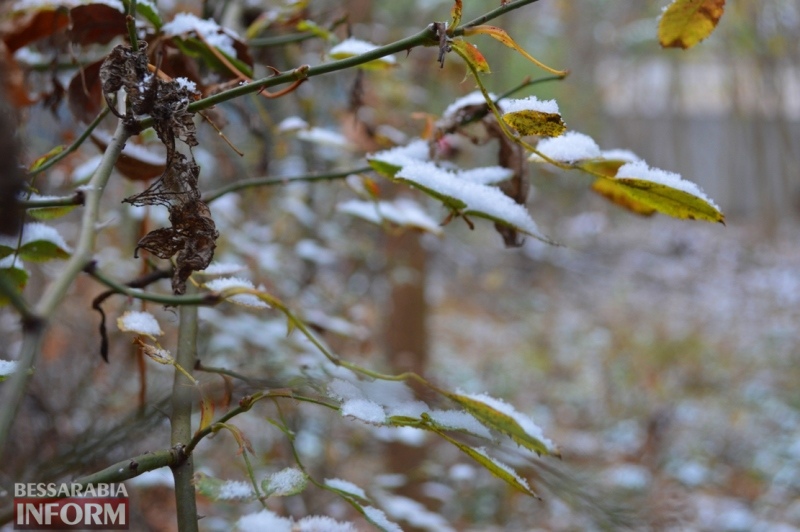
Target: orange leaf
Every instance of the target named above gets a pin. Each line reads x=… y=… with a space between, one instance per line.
x=470 y=54
x=501 y=35
x=95 y=24
x=455 y=13
x=33 y=26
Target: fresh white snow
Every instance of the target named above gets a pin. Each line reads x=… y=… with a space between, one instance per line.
x=139 y=322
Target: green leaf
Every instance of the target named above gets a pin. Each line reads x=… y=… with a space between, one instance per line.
x=503 y=417
x=46 y=157
x=316 y=29
x=16 y=275
x=465 y=198
x=685 y=23
x=223 y=490
x=666 y=192
x=150 y=12
x=289 y=481
x=378 y=518
x=494 y=466
x=469 y=53
x=39 y=243
x=389 y=162
x=352 y=47
x=194 y=47
x=50 y=213
x=42 y=251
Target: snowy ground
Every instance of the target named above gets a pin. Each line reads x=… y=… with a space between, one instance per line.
x=662 y=355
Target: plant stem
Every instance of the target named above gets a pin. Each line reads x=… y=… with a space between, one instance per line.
x=68 y=201
x=33 y=330
x=130 y=22
x=74 y=146
x=209 y=298
x=426 y=37
x=183 y=393
x=270 y=181
x=502 y=10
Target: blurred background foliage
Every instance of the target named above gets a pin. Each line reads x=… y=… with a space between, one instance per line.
x=661 y=355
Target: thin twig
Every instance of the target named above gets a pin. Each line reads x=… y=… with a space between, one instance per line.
x=72 y=147
x=183 y=393
x=271 y=181
x=78 y=198
x=13 y=390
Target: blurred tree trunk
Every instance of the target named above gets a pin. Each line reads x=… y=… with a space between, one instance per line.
x=405 y=336
x=404 y=333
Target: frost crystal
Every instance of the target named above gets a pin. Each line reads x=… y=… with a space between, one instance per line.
x=319 y=523
x=350 y=47
x=292 y=123
x=569 y=147
x=380 y=519
x=34 y=232
x=248 y=300
x=620 y=155
x=212 y=32
x=640 y=170
x=233 y=490
x=223 y=268
x=187 y=84
x=416 y=150
x=413 y=409
x=364 y=410
x=287 y=481
x=346 y=487
x=503 y=466
x=415 y=513
x=478 y=198
x=139 y=322
x=527 y=424
x=473 y=98
x=531 y=103
x=324 y=137
x=263 y=520
x=402 y=211
x=459 y=420
x=343 y=390
x=7 y=367
x=486 y=175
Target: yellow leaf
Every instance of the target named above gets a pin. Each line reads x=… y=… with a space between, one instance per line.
x=531 y=122
x=606 y=167
x=670 y=201
x=615 y=194
x=206 y=412
x=502 y=417
x=685 y=23
x=501 y=35
x=46 y=157
x=469 y=53
x=607 y=188
x=494 y=466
